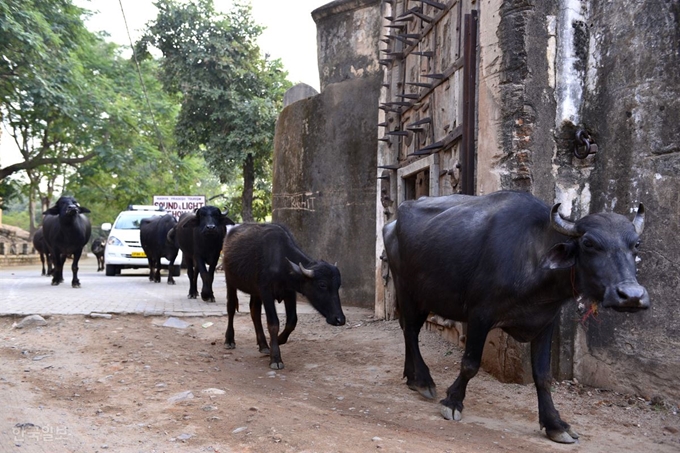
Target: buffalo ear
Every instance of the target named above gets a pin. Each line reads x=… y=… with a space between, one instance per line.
x=560 y=256
x=224 y=220
x=83 y=210
x=54 y=210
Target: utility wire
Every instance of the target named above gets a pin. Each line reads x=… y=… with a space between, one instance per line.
x=141 y=80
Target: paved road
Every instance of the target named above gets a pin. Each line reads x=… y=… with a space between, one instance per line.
x=23 y=291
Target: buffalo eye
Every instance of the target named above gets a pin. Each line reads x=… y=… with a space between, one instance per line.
x=323 y=285
x=636 y=247
x=587 y=243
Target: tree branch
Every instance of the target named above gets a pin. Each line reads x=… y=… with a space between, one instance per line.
x=35 y=163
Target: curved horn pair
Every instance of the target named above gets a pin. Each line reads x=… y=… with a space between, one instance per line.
x=569 y=228
x=299 y=268
x=561 y=225
x=306 y=272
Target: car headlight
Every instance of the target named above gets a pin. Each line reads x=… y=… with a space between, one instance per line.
x=115 y=241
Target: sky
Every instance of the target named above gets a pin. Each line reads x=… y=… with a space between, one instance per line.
x=290 y=32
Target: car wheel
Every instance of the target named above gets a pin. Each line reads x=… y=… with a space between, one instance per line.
x=110 y=270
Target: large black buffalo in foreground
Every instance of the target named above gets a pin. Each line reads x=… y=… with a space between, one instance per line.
x=40 y=246
x=505 y=260
x=153 y=235
x=264 y=261
x=66 y=231
x=199 y=235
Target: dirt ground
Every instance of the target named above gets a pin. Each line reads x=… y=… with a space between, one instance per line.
x=95 y=385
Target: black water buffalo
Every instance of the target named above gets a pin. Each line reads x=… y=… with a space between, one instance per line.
x=97 y=248
x=199 y=235
x=153 y=235
x=66 y=231
x=505 y=260
x=41 y=247
x=264 y=261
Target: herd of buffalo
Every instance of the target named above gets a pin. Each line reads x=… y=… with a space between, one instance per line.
x=504 y=260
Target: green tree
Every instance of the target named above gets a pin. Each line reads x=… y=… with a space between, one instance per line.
x=79 y=114
x=145 y=162
x=230 y=94
x=39 y=41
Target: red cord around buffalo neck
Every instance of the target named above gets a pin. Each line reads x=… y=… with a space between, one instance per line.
x=592 y=310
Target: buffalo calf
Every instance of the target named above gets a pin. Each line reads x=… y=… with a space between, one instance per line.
x=97 y=248
x=264 y=261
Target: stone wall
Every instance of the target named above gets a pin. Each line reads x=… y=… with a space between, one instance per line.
x=324 y=185
x=631 y=104
x=546 y=69
x=348 y=32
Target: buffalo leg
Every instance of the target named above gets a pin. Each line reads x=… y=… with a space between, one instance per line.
x=416 y=371
x=291 y=317
x=469 y=366
x=275 y=361
x=156 y=270
x=50 y=268
x=58 y=269
x=207 y=274
x=232 y=306
x=75 y=283
x=150 y=260
x=171 y=267
x=193 y=278
x=42 y=261
x=555 y=428
x=256 y=316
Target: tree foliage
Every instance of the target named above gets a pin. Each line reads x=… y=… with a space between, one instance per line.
x=78 y=114
x=230 y=94
x=41 y=42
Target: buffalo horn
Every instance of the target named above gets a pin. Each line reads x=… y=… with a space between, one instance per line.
x=561 y=225
x=639 y=220
x=306 y=272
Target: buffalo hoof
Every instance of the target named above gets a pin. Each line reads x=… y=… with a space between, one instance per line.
x=429 y=392
x=265 y=351
x=75 y=285
x=192 y=296
x=451 y=414
x=208 y=297
x=55 y=283
x=276 y=365
x=171 y=282
x=230 y=345
x=563 y=437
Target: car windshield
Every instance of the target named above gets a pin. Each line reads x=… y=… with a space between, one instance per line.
x=131 y=221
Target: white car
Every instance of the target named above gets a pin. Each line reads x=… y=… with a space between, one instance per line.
x=123 y=247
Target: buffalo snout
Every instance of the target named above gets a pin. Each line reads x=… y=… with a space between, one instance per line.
x=336 y=320
x=211 y=229
x=627 y=297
